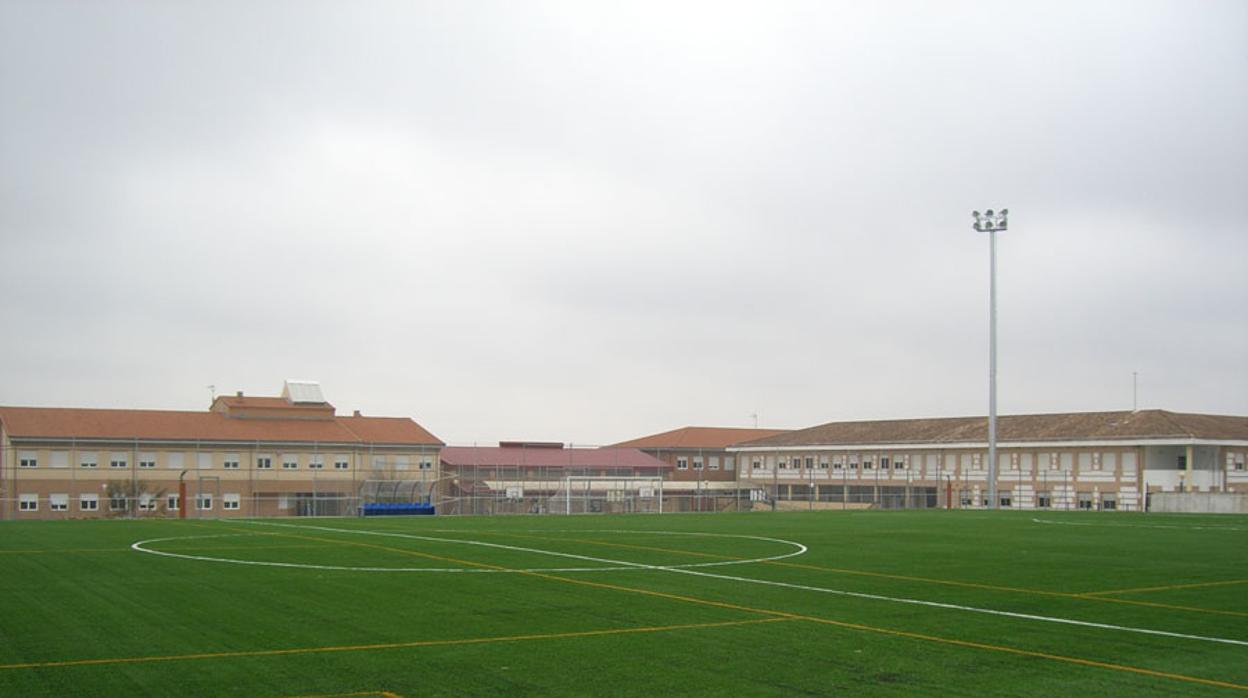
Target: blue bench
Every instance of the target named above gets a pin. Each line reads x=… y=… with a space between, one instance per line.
x=396 y=509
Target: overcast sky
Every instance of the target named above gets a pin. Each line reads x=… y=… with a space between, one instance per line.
x=591 y=221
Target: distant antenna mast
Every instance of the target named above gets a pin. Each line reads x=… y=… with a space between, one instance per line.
x=212 y=390
x=1135 y=391
x=755 y=416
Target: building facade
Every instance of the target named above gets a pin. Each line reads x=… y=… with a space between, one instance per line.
x=1096 y=460
x=245 y=456
x=519 y=477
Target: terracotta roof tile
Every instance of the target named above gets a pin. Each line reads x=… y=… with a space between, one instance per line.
x=700 y=437
x=550 y=457
x=70 y=423
x=1125 y=425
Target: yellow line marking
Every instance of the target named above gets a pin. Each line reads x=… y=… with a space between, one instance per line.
x=66 y=550
x=359 y=694
x=1015 y=590
x=926 y=580
x=387 y=645
x=1171 y=587
x=785 y=615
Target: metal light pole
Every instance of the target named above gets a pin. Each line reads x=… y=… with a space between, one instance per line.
x=990 y=223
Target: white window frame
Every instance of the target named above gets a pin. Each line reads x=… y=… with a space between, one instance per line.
x=27 y=459
x=697 y=462
x=231 y=501
x=173 y=502
x=426 y=463
x=316 y=461
x=402 y=462
x=88 y=459
x=342 y=462
x=119 y=460
x=58 y=501
x=147 y=460
x=203 y=501
x=28 y=502
x=230 y=462
x=175 y=460
x=264 y=461
x=290 y=461
x=88 y=501
x=203 y=461
x=147 y=502
x=682 y=463
x=58 y=459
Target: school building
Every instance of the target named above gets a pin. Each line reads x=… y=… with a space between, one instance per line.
x=1089 y=460
x=244 y=456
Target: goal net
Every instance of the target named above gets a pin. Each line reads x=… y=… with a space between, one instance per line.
x=586 y=494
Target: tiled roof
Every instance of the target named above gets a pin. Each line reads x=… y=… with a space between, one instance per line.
x=1079 y=426
x=550 y=457
x=73 y=423
x=700 y=437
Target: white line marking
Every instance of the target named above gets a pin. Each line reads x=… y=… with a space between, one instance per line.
x=141 y=546
x=1192 y=527
x=803 y=587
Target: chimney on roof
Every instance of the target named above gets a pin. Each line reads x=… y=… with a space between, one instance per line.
x=356 y=414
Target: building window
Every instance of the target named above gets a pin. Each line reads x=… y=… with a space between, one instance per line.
x=341 y=463
x=173 y=503
x=230 y=462
x=977 y=461
x=1182 y=462
x=714 y=463
x=147 y=502
x=884 y=463
x=401 y=462
x=315 y=462
x=697 y=463
x=118 y=460
x=290 y=461
x=966 y=499
x=147 y=460
x=174 y=460
x=1006 y=498
x=756 y=464
x=88 y=459
x=1013 y=461
x=264 y=462
x=838 y=463
x=1055 y=461
x=868 y=465
x=730 y=463
x=1085 y=500
x=58 y=502
x=88 y=502
x=28 y=502
x=1044 y=500
x=203 y=461
x=809 y=463
x=117 y=502
x=27 y=459
x=823 y=463
x=60 y=459
x=231 y=501
x=1109 y=501
x=682 y=463
x=203 y=502
x=900 y=462
x=1096 y=461
x=426 y=463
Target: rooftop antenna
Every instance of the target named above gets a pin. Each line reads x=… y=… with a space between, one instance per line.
x=212 y=391
x=1135 y=391
x=755 y=416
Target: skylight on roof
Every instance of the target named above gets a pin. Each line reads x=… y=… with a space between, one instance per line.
x=303 y=392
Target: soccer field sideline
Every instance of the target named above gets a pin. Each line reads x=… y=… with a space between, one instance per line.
x=590 y=575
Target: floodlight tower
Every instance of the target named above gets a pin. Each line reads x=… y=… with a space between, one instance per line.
x=990 y=223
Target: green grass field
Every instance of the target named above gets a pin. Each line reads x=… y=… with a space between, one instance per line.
x=935 y=602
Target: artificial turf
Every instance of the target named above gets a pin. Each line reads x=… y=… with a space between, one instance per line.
x=878 y=603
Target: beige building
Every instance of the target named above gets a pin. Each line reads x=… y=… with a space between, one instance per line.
x=1093 y=460
x=245 y=456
